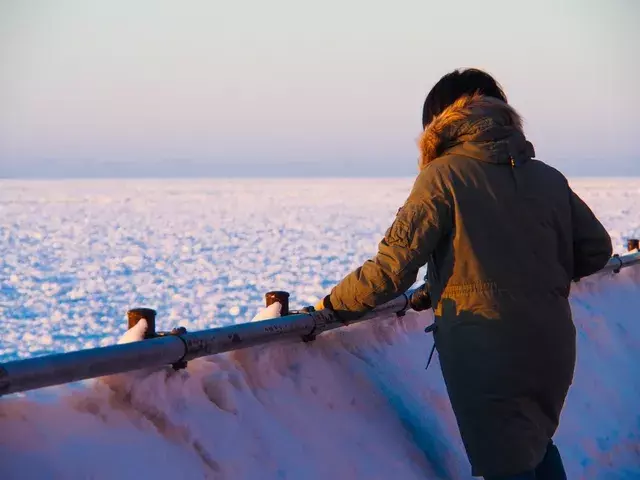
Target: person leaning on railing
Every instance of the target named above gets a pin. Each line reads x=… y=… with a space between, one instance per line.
x=503 y=235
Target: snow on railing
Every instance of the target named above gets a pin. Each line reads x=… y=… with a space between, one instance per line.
x=178 y=347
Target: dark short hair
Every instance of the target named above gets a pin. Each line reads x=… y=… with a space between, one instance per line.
x=456 y=84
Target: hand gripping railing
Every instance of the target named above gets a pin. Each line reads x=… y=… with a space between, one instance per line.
x=178 y=347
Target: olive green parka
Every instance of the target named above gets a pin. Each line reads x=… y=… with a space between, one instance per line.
x=503 y=235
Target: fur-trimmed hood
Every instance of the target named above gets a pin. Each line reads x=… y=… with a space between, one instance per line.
x=492 y=125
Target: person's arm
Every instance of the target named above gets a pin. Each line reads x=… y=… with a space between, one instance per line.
x=405 y=248
x=591 y=242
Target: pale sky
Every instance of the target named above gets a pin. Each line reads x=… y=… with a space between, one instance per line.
x=302 y=88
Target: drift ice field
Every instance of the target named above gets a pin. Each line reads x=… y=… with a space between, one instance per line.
x=357 y=403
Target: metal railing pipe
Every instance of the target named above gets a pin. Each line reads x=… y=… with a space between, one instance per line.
x=617 y=262
x=179 y=347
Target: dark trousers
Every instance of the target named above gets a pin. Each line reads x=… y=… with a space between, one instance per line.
x=550 y=468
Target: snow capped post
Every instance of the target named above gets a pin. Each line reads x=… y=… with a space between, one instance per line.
x=136 y=314
x=281 y=297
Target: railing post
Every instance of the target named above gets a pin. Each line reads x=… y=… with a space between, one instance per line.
x=136 y=314
x=281 y=297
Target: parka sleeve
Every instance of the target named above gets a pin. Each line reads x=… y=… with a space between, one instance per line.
x=591 y=243
x=419 y=224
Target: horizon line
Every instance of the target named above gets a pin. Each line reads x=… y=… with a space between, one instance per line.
x=267 y=177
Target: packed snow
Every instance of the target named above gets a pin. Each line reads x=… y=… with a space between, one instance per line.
x=356 y=403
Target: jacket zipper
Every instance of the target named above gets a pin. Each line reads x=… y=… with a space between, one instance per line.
x=512 y=162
